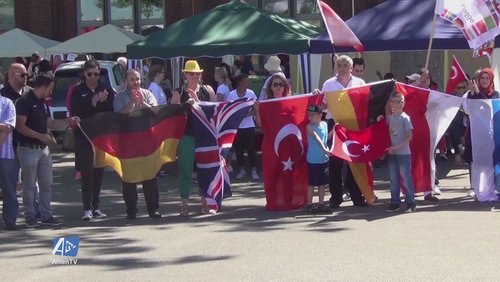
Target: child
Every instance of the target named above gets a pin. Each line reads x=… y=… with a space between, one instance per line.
x=399 y=158
x=317 y=158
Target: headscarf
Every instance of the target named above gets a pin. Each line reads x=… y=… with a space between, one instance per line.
x=491 y=88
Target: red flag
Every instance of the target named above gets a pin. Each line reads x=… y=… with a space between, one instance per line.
x=457 y=75
x=284 y=150
x=364 y=145
x=340 y=34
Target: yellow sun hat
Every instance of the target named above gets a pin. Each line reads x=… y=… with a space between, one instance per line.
x=192 y=66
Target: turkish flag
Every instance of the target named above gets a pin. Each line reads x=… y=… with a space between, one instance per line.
x=339 y=32
x=284 y=150
x=361 y=146
x=457 y=75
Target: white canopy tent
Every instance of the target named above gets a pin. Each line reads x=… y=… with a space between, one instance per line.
x=20 y=43
x=106 y=39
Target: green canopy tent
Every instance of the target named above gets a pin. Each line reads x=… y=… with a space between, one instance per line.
x=235 y=28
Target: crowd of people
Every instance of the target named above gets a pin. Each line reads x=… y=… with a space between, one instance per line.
x=25 y=124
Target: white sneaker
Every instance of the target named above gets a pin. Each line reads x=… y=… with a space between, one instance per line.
x=87 y=215
x=471 y=194
x=436 y=190
x=99 y=214
x=241 y=175
x=346 y=197
x=255 y=176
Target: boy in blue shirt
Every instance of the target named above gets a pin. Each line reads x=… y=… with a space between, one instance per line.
x=399 y=159
x=317 y=158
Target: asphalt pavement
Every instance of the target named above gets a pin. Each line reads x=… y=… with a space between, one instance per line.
x=454 y=239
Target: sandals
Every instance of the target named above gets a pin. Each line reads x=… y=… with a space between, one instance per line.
x=184 y=209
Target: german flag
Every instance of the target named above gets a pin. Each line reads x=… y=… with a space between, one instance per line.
x=136 y=145
x=355 y=109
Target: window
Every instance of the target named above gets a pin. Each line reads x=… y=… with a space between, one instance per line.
x=6 y=14
x=121 y=10
x=119 y=74
x=307 y=7
x=91 y=10
x=276 y=6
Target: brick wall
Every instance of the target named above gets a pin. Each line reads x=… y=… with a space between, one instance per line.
x=54 y=19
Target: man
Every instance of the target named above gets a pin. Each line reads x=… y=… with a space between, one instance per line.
x=13 y=90
x=38 y=66
x=358 y=67
x=273 y=66
x=134 y=99
x=9 y=168
x=87 y=99
x=32 y=123
x=343 y=79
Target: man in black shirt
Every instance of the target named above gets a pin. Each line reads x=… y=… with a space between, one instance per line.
x=88 y=98
x=38 y=66
x=32 y=123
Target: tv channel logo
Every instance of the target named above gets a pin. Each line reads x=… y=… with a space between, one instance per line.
x=66 y=246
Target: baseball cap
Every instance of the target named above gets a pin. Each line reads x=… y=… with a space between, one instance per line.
x=413 y=77
x=35 y=56
x=314 y=109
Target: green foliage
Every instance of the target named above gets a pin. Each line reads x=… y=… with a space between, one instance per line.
x=148 y=7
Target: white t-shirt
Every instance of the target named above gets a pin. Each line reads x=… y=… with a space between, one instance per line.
x=223 y=89
x=247 y=122
x=333 y=84
x=158 y=92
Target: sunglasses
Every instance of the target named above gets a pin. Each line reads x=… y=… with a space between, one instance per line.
x=194 y=73
x=90 y=74
x=278 y=84
x=21 y=74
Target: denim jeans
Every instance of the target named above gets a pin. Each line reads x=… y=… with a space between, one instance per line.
x=36 y=164
x=400 y=168
x=8 y=180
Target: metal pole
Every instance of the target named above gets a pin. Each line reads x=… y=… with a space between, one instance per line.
x=353 y=8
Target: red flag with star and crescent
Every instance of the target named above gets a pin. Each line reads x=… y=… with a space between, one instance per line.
x=457 y=75
x=361 y=146
x=284 y=150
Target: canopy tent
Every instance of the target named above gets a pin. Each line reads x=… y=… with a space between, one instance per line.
x=106 y=39
x=20 y=43
x=398 y=25
x=235 y=28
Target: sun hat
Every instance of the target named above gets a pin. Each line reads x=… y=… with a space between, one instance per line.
x=273 y=64
x=192 y=66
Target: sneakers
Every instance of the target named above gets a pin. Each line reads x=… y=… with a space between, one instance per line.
x=255 y=176
x=32 y=222
x=241 y=175
x=99 y=214
x=51 y=221
x=346 y=197
x=392 y=208
x=431 y=198
x=155 y=214
x=436 y=190
x=472 y=193
x=411 y=208
x=87 y=215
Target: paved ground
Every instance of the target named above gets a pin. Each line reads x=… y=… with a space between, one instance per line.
x=455 y=239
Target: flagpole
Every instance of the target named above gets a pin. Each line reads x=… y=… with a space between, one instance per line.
x=433 y=30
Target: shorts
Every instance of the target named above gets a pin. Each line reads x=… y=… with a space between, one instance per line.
x=318 y=174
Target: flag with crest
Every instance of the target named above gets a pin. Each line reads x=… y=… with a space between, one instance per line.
x=215 y=127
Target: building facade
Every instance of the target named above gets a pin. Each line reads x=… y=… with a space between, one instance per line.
x=63 y=19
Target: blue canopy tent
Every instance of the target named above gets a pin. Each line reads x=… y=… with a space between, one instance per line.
x=398 y=25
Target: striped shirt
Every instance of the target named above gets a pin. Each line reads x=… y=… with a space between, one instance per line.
x=8 y=117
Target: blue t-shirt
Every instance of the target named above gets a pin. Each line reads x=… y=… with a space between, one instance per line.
x=315 y=154
x=399 y=126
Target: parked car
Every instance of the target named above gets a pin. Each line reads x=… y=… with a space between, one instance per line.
x=69 y=74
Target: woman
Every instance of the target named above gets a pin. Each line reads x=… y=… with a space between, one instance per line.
x=481 y=87
x=192 y=91
x=277 y=87
x=223 y=82
x=456 y=129
x=156 y=75
x=245 y=138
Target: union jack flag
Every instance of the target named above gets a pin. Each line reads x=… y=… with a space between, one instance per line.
x=215 y=127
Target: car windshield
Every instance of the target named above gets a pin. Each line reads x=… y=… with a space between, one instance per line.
x=66 y=78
